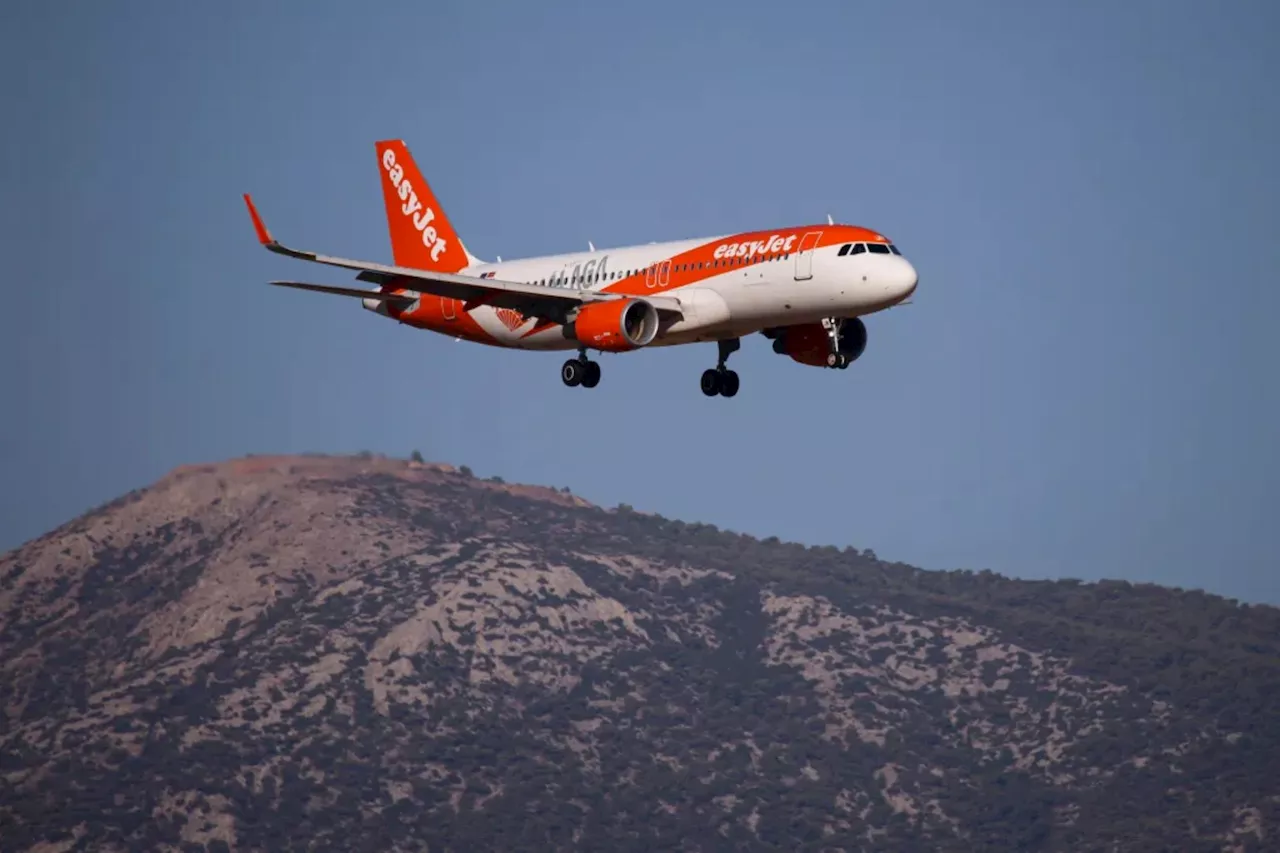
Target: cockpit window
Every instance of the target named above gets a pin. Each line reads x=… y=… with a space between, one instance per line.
x=858 y=248
x=878 y=248
x=894 y=249
x=844 y=250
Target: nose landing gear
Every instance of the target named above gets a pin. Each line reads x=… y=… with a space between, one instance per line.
x=835 y=358
x=720 y=379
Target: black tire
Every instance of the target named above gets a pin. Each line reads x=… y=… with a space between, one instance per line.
x=591 y=375
x=571 y=372
x=711 y=382
x=728 y=383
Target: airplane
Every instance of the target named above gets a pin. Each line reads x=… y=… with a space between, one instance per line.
x=806 y=288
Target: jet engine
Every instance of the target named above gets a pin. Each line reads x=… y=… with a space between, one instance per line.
x=616 y=326
x=810 y=343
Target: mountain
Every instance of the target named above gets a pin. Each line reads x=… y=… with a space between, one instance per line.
x=338 y=653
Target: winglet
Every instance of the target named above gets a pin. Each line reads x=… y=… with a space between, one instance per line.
x=264 y=236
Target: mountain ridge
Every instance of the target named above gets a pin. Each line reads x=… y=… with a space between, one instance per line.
x=280 y=650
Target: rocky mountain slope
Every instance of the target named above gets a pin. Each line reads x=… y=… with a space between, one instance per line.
x=369 y=654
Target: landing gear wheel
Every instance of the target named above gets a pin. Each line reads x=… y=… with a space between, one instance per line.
x=720 y=379
x=572 y=372
x=591 y=375
x=837 y=360
x=580 y=371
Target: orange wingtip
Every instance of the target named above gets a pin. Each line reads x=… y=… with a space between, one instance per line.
x=264 y=236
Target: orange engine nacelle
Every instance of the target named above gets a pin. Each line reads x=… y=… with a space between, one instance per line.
x=617 y=326
x=806 y=344
x=809 y=343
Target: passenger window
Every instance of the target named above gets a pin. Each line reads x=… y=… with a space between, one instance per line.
x=844 y=250
x=858 y=248
x=878 y=248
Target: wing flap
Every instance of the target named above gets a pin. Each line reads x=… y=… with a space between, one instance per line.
x=475 y=292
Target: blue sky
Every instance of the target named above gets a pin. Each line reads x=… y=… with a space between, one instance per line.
x=1085 y=386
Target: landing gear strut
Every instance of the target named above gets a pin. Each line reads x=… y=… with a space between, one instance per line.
x=580 y=371
x=720 y=379
x=835 y=358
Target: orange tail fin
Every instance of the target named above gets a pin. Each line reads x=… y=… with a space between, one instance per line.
x=421 y=235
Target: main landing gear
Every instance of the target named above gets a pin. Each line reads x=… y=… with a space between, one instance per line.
x=719 y=379
x=580 y=371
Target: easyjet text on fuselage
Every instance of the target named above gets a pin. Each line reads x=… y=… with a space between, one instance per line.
x=773 y=245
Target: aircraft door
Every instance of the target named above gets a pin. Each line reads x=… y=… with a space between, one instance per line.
x=657 y=275
x=804 y=256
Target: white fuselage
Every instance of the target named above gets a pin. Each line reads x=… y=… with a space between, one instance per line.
x=723 y=290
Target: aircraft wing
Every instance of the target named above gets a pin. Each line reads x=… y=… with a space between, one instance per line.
x=554 y=303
